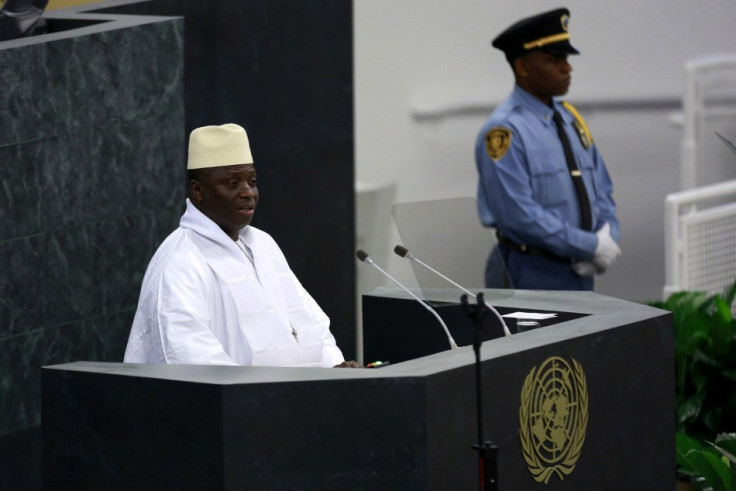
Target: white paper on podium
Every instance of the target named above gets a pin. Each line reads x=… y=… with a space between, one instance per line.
x=530 y=315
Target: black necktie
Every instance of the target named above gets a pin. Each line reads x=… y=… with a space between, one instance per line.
x=575 y=174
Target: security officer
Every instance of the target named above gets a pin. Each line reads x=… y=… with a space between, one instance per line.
x=542 y=183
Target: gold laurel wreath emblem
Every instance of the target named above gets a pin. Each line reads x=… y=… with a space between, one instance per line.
x=553 y=417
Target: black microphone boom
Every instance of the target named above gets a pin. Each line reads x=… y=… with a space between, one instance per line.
x=404 y=252
x=364 y=257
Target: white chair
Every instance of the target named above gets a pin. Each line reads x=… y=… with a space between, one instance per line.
x=709 y=106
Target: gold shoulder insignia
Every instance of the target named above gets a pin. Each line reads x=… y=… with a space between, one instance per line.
x=585 y=137
x=498 y=141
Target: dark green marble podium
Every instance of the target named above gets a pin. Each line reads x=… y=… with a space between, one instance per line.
x=406 y=426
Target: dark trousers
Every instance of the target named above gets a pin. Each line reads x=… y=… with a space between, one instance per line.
x=506 y=268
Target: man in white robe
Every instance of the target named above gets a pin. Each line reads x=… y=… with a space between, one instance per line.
x=218 y=290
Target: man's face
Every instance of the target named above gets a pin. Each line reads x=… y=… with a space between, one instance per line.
x=227 y=195
x=544 y=74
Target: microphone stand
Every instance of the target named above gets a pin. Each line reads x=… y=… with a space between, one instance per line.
x=487 y=451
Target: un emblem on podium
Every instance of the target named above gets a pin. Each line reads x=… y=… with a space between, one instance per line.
x=553 y=417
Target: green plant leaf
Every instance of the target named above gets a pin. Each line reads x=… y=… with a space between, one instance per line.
x=689 y=410
x=729 y=294
x=717 y=308
x=721 y=476
x=701 y=356
x=730 y=374
x=684 y=444
x=726 y=444
x=707 y=463
x=685 y=299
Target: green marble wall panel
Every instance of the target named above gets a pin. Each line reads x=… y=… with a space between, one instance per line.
x=92 y=142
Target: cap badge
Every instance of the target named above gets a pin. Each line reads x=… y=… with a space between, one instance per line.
x=564 y=21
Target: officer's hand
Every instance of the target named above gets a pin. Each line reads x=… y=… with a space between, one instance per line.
x=584 y=268
x=349 y=364
x=607 y=250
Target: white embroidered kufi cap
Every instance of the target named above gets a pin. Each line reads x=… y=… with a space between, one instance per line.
x=218 y=146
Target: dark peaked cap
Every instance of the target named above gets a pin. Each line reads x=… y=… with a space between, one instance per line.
x=546 y=31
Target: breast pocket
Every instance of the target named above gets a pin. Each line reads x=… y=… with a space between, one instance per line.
x=551 y=187
x=588 y=172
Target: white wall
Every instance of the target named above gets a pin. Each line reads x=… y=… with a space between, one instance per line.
x=426 y=77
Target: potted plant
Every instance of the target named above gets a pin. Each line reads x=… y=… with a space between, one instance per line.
x=705 y=372
x=705 y=361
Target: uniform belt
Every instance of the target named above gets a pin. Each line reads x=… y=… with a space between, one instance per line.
x=531 y=250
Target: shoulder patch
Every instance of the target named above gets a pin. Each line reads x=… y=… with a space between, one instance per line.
x=498 y=141
x=583 y=132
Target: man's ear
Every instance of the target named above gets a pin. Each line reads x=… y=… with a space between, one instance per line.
x=520 y=68
x=195 y=190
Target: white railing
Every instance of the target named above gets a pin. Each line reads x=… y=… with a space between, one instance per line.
x=700 y=239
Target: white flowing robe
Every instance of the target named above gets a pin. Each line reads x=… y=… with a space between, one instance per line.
x=203 y=302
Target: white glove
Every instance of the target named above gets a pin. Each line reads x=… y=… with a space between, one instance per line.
x=607 y=250
x=584 y=268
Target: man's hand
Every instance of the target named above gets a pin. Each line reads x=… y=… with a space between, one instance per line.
x=584 y=268
x=349 y=364
x=607 y=250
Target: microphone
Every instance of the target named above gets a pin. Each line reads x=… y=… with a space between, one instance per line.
x=364 y=257
x=404 y=252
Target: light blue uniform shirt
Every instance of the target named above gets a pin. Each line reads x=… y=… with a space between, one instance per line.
x=528 y=194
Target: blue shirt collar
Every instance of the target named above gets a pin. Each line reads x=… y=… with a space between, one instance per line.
x=535 y=105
